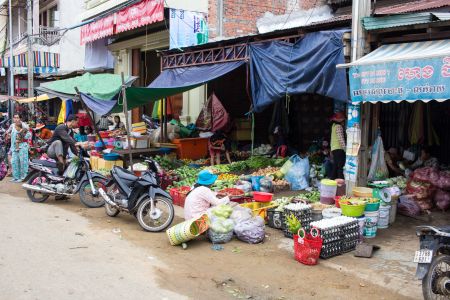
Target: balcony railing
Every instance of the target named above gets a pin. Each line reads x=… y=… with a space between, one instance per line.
x=49 y=35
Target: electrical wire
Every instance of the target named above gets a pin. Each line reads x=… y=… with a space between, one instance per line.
x=289 y=15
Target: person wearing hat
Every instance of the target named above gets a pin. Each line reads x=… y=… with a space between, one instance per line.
x=42 y=132
x=337 y=145
x=201 y=197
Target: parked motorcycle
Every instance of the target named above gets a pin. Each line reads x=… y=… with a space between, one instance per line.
x=140 y=196
x=433 y=260
x=43 y=181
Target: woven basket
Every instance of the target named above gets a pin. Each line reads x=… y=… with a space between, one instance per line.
x=219 y=238
x=187 y=230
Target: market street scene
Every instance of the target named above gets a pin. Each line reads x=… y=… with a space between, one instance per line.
x=215 y=149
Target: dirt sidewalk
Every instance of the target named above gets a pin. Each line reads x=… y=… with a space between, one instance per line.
x=242 y=271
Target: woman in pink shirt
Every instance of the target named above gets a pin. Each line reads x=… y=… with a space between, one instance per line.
x=201 y=198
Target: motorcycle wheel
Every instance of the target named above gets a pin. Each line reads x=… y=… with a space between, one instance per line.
x=439 y=270
x=164 y=208
x=111 y=211
x=37 y=197
x=86 y=196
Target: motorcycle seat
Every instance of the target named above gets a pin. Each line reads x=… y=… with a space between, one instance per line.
x=48 y=164
x=45 y=163
x=125 y=174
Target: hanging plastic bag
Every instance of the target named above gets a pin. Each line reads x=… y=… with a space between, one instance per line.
x=378 y=169
x=298 y=174
x=256 y=185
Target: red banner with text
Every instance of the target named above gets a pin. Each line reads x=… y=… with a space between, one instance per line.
x=140 y=14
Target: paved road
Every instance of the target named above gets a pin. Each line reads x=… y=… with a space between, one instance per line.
x=50 y=253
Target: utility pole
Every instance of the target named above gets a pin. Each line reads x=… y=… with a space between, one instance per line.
x=30 y=62
x=11 y=64
x=360 y=9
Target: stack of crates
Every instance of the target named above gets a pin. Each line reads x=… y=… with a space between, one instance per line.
x=303 y=212
x=339 y=235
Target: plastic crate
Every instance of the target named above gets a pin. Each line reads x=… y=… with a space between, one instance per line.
x=275 y=218
x=179 y=195
x=193 y=148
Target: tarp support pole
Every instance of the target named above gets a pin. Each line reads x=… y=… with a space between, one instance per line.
x=166 y=139
x=125 y=111
x=88 y=111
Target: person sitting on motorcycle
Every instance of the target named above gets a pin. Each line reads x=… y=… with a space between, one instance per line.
x=201 y=198
x=61 y=141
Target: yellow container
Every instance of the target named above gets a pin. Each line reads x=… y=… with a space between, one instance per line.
x=258 y=208
x=362 y=192
x=107 y=165
x=94 y=162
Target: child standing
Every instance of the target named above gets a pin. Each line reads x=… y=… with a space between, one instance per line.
x=19 y=142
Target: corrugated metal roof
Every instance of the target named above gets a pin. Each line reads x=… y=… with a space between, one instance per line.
x=383 y=7
x=412 y=6
x=374 y=23
x=405 y=51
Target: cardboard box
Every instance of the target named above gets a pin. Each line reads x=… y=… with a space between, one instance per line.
x=241 y=135
x=107 y=165
x=243 y=123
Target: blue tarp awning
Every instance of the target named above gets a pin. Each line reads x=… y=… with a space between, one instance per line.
x=402 y=72
x=169 y=82
x=278 y=68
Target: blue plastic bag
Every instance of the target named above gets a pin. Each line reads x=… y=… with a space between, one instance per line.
x=298 y=174
x=256 y=183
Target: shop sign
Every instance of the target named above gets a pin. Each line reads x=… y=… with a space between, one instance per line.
x=187 y=28
x=418 y=79
x=97 y=30
x=140 y=14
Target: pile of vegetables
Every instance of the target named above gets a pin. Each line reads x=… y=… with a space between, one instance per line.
x=281 y=202
x=222 y=184
x=266 y=171
x=280 y=184
x=220 y=222
x=313 y=196
x=228 y=177
x=399 y=181
x=293 y=223
x=187 y=176
x=258 y=162
x=167 y=162
x=232 y=192
x=262 y=150
x=238 y=166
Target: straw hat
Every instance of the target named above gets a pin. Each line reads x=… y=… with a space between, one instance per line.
x=39 y=126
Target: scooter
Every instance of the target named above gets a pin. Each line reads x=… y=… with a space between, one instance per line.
x=43 y=181
x=139 y=196
x=433 y=260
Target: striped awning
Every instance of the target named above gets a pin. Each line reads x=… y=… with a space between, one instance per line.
x=40 y=59
x=402 y=72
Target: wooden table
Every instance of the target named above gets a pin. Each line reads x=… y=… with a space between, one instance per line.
x=151 y=151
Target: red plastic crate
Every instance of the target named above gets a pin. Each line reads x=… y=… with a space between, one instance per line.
x=179 y=195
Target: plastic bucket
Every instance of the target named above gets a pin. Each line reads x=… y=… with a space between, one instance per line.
x=383 y=218
x=327 y=191
x=370 y=224
x=393 y=211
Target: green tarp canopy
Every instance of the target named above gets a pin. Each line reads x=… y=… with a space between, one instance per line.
x=139 y=96
x=100 y=86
